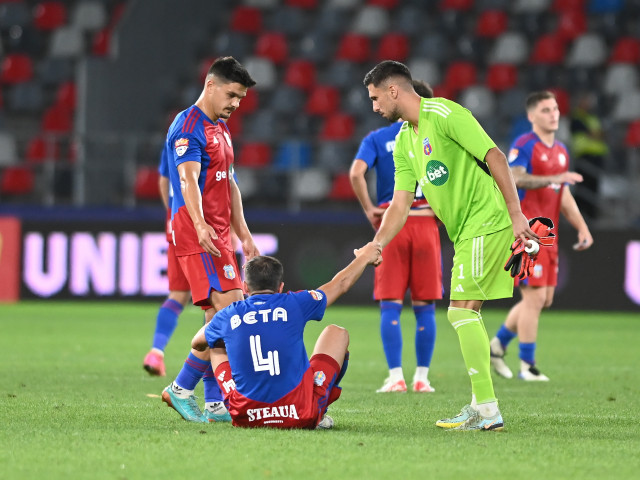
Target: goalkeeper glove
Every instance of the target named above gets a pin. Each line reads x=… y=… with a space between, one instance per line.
x=520 y=263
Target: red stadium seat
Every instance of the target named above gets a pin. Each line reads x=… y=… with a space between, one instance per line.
x=204 y=66
x=548 y=49
x=626 y=50
x=57 y=119
x=306 y=4
x=300 y=74
x=461 y=5
x=49 y=15
x=272 y=45
x=146 y=184
x=568 y=5
x=40 y=149
x=563 y=99
x=341 y=188
x=632 y=138
x=323 y=100
x=66 y=95
x=246 y=19
x=18 y=180
x=443 y=91
x=571 y=24
x=16 y=68
x=501 y=77
x=249 y=103
x=234 y=124
x=354 y=47
x=338 y=126
x=491 y=23
x=460 y=75
x=255 y=154
x=101 y=42
x=393 y=46
x=388 y=4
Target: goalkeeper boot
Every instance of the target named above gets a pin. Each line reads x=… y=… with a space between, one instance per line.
x=218 y=414
x=325 y=423
x=186 y=407
x=497 y=359
x=389 y=385
x=465 y=414
x=478 y=422
x=530 y=373
x=154 y=364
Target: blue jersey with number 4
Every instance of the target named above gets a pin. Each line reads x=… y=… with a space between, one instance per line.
x=263 y=336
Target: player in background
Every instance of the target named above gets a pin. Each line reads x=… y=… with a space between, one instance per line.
x=416 y=249
x=258 y=353
x=468 y=184
x=540 y=167
x=179 y=295
x=206 y=205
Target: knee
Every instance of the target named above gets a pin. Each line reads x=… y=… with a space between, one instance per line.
x=548 y=302
x=338 y=333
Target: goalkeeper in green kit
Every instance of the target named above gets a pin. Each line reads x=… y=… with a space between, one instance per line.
x=468 y=184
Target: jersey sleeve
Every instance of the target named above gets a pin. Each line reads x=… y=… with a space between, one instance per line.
x=367 y=151
x=312 y=303
x=186 y=147
x=520 y=155
x=404 y=177
x=462 y=127
x=163 y=168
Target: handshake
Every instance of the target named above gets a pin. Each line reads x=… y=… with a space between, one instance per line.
x=524 y=254
x=371 y=252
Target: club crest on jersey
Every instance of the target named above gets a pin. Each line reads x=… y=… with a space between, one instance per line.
x=426 y=146
x=229 y=272
x=319 y=378
x=315 y=295
x=181 y=145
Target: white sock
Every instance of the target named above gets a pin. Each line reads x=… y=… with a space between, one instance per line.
x=179 y=391
x=158 y=351
x=474 y=403
x=215 y=407
x=488 y=409
x=395 y=374
x=421 y=375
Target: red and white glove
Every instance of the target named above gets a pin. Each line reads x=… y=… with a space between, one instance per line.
x=524 y=254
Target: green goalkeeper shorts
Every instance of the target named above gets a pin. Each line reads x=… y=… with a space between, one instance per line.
x=478 y=267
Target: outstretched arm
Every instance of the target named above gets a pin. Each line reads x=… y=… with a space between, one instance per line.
x=394 y=217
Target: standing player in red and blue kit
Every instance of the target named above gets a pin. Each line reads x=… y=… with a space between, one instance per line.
x=171 y=308
x=206 y=205
x=258 y=352
x=416 y=249
x=540 y=167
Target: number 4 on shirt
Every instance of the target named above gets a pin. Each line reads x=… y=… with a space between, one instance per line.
x=270 y=364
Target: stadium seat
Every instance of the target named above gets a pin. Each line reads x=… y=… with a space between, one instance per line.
x=287 y=101
x=49 y=15
x=510 y=47
x=388 y=4
x=8 y=149
x=236 y=44
x=293 y=155
x=307 y=4
x=605 y=6
x=89 y=16
x=263 y=71
x=235 y=125
x=434 y=46
x=315 y=46
x=17 y=180
x=101 y=42
x=27 y=97
x=344 y=4
x=482 y=5
x=627 y=107
x=588 y=50
x=530 y=6
x=57 y=120
x=491 y=23
x=254 y=155
x=460 y=75
x=41 y=148
x=14 y=14
x=393 y=46
x=563 y=99
x=480 y=100
x=337 y=126
x=568 y=5
x=291 y=21
x=331 y=22
x=342 y=74
x=262 y=126
x=620 y=78
x=370 y=21
x=424 y=69
x=323 y=100
x=300 y=74
x=272 y=45
x=312 y=184
x=626 y=50
x=511 y=103
x=246 y=19
x=502 y=77
x=354 y=47
x=548 y=49
x=66 y=95
x=66 y=42
x=16 y=68
x=53 y=71
x=408 y=19
x=341 y=188
x=250 y=103
x=145 y=186
x=357 y=103
x=461 y=5
x=632 y=137
x=571 y=24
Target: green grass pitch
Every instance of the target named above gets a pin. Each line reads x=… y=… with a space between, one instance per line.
x=75 y=403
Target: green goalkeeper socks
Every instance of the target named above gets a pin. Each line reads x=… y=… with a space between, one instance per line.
x=474 y=344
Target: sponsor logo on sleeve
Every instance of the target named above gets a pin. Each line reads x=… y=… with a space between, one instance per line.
x=315 y=295
x=513 y=154
x=181 y=145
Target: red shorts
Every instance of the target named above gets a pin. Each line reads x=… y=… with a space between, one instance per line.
x=206 y=272
x=545 y=270
x=177 y=280
x=412 y=260
x=303 y=407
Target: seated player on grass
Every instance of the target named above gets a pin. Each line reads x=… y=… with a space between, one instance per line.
x=258 y=353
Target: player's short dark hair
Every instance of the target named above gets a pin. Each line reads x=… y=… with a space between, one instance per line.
x=263 y=273
x=423 y=89
x=536 y=97
x=231 y=70
x=384 y=71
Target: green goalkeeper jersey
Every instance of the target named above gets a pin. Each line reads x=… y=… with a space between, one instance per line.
x=446 y=158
